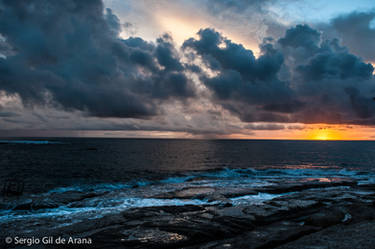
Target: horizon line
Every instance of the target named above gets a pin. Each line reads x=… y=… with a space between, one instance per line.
x=182 y=138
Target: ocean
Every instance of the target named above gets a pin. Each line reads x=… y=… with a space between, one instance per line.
x=67 y=180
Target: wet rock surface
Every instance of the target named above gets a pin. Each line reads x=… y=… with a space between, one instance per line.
x=337 y=214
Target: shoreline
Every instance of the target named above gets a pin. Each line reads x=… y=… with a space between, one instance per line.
x=295 y=213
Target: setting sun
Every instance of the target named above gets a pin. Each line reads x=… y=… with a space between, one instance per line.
x=321 y=136
x=325 y=134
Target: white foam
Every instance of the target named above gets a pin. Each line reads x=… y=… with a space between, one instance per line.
x=117 y=197
x=101 y=207
x=253 y=199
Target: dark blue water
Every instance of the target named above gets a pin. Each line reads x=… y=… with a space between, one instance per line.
x=46 y=164
x=70 y=180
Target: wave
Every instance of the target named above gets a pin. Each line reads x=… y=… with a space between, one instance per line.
x=97 y=208
x=230 y=173
x=225 y=176
x=88 y=201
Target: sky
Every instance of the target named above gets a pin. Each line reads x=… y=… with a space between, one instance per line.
x=256 y=69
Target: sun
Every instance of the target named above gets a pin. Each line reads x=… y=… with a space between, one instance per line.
x=324 y=134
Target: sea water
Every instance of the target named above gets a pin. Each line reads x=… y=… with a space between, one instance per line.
x=114 y=175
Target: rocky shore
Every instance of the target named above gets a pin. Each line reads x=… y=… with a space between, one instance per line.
x=320 y=213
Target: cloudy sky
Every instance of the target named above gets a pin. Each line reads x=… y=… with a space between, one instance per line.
x=263 y=69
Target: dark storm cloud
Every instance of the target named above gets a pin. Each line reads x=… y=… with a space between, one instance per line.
x=337 y=86
x=301 y=36
x=239 y=72
x=357 y=33
x=7 y=114
x=322 y=59
x=302 y=41
x=265 y=127
x=68 y=53
x=246 y=86
x=298 y=78
x=364 y=107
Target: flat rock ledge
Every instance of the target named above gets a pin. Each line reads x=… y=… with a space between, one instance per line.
x=315 y=215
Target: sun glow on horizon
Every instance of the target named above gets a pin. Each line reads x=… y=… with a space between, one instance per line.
x=335 y=132
x=318 y=132
x=325 y=134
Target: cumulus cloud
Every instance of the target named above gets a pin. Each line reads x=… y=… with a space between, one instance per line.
x=357 y=32
x=70 y=55
x=297 y=78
